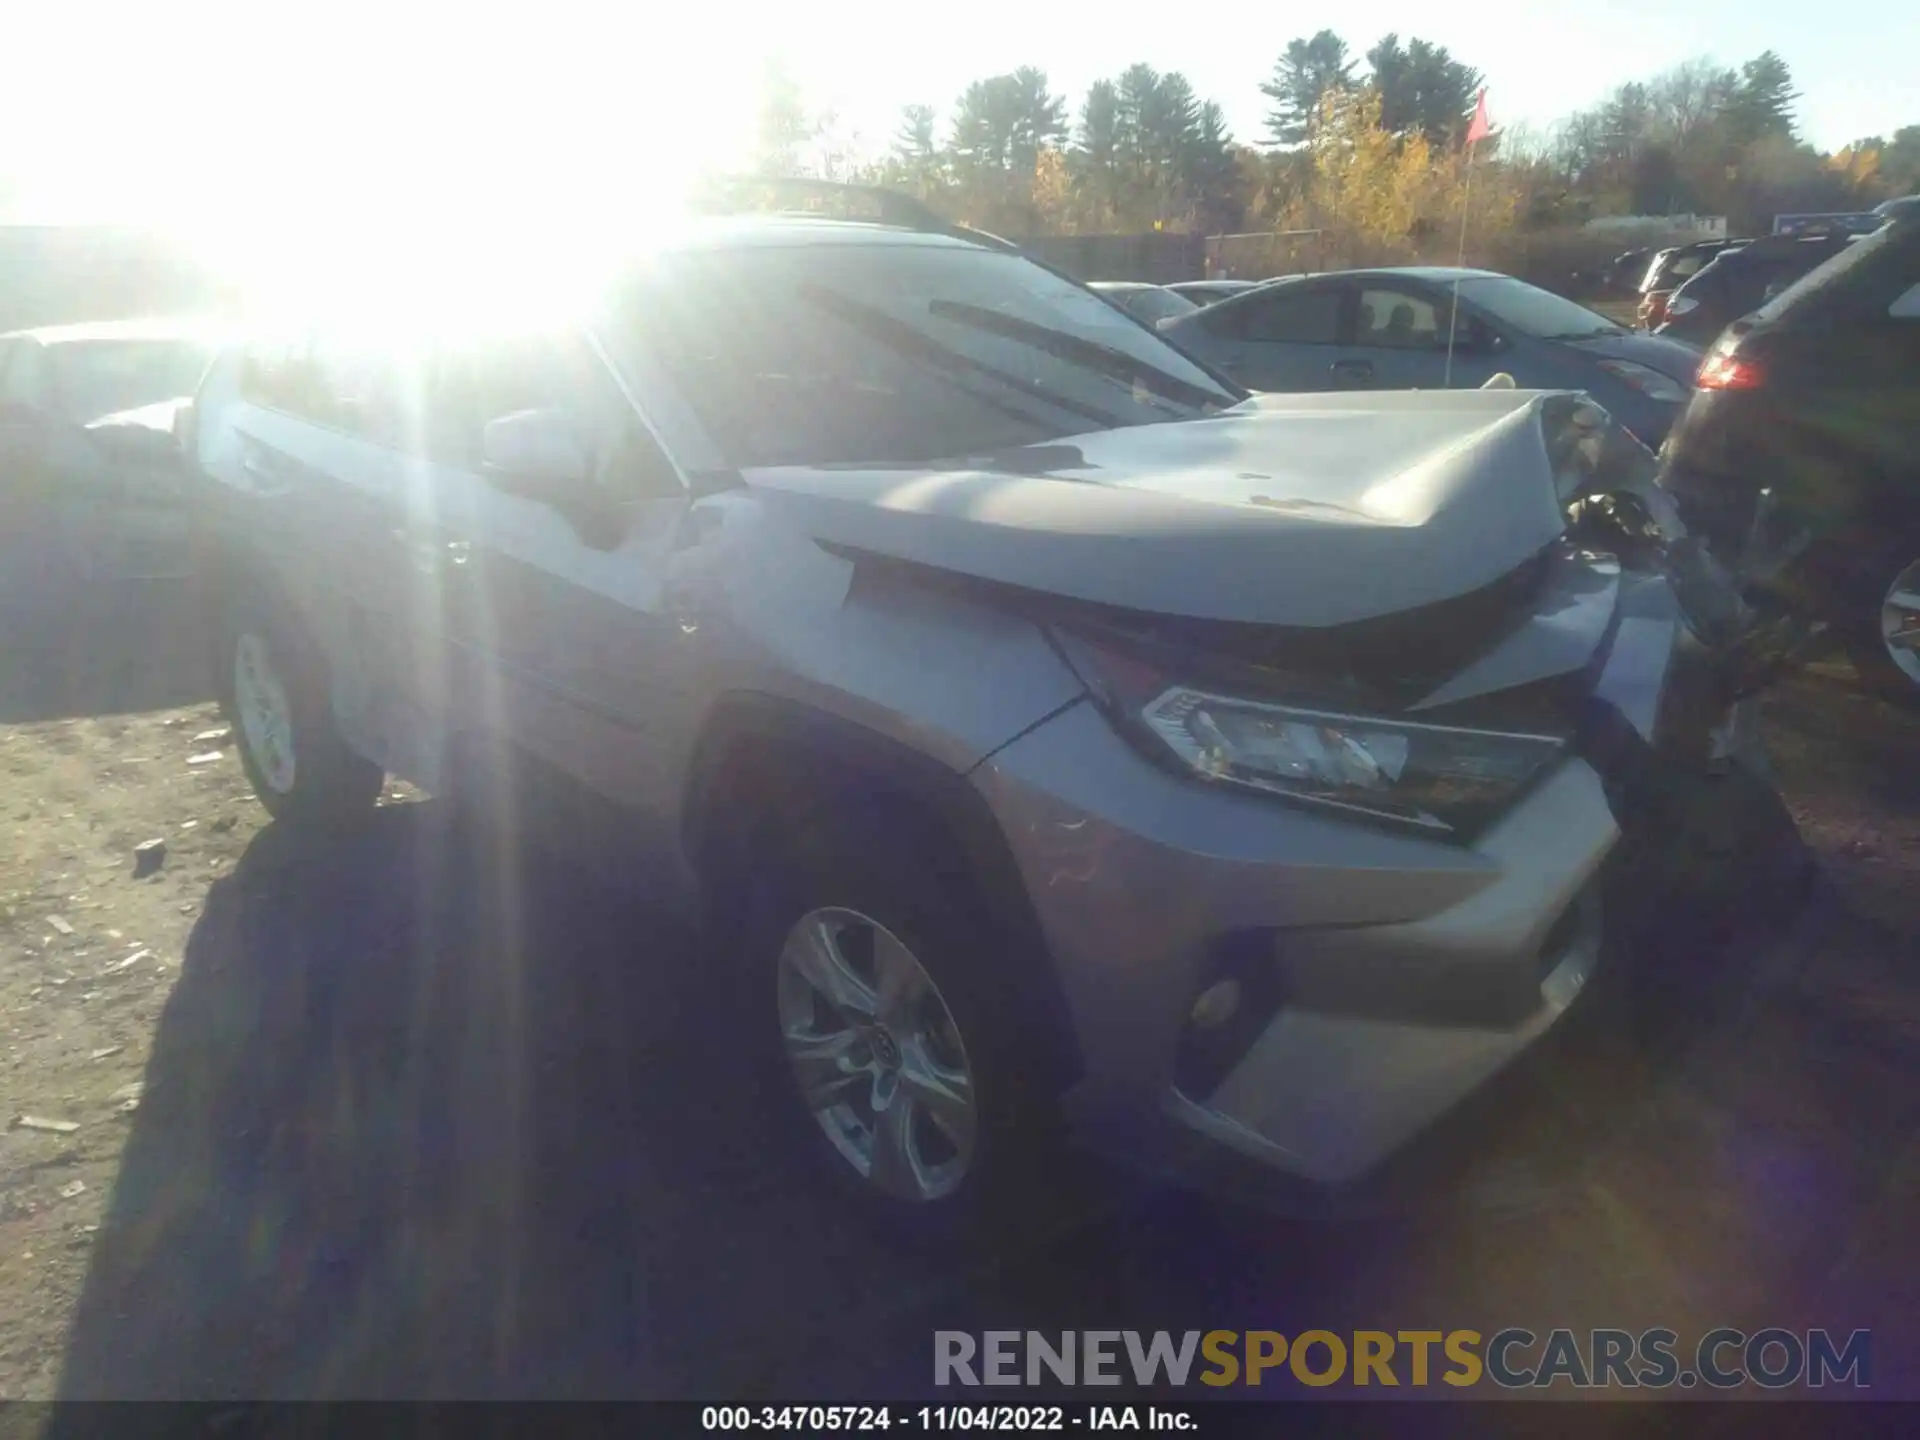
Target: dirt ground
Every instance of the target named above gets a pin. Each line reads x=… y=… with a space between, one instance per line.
x=421 y=1116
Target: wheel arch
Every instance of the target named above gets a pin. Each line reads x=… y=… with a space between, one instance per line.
x=762 y=757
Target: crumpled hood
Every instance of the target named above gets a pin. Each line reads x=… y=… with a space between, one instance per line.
x=1294 y=510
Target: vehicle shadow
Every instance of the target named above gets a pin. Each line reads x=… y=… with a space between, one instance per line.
x=427 y=1116
x=431 y=1116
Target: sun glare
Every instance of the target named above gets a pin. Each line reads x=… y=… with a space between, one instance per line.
x=403 y=159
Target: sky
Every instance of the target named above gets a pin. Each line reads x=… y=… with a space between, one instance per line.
x=219 y=115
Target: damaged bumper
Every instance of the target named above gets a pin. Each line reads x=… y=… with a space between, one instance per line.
x=1308 y=992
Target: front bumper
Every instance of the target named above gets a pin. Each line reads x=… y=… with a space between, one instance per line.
x=1384 y=977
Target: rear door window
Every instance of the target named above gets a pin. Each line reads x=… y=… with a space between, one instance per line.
x=1396 y=320
x=1291 y=317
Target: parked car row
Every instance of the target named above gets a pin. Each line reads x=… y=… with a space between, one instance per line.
x=1423 y=328
x=1671 y=268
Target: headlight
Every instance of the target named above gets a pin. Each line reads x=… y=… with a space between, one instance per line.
x=1647 y=381
x=1435 y=777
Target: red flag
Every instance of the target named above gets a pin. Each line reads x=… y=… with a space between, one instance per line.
x=1481 y=126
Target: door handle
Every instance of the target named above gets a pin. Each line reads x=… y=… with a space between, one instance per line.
x=1352 y=369
x=265 y=470
x=429 y=556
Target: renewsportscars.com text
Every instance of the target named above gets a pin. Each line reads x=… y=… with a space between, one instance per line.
x=1513 y=1358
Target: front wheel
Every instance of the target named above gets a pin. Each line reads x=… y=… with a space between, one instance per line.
x=888 y=1031
x=273 y=689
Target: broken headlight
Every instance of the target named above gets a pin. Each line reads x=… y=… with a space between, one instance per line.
x=1313 y=740
x=1434 y=777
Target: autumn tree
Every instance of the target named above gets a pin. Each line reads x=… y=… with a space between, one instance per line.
x=1900 y=160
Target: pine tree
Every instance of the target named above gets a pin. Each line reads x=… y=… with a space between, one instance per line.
x=1763 y=105
x=1302 y=76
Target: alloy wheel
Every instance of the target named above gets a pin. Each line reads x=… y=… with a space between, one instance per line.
x=265 y=714
x=1900 y=622
x=876 y=1054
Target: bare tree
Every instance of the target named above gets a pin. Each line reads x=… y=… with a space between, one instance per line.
x=1690 y=95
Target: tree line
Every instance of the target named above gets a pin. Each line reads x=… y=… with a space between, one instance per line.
x=1368 y=142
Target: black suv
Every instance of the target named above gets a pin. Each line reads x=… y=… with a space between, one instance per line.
x=1669 y=270
x=1813 y=402
x=1740 y=280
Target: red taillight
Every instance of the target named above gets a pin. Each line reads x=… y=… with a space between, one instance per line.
x=1728 y=372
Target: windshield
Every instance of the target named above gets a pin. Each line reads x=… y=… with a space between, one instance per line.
x=1533 y=311
x=96 y=378
x=1156 y=305
x=900 y=353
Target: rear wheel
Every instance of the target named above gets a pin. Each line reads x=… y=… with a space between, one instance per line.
x=1885 y=645
x=273 y=688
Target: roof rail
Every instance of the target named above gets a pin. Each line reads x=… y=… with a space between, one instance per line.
x=804 y=195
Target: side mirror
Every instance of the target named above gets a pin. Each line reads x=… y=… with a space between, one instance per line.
x=537 y=455
x=534 y=453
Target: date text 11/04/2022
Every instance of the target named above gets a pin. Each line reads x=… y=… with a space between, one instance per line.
x=814 y=1419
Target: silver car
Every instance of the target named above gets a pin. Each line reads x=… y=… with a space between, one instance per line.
x=1058 y=737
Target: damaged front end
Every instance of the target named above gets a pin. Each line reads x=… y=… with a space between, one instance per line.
x=1614 y=502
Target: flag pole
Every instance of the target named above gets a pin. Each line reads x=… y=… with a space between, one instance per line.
x=1459 y=262
x=1475 y=131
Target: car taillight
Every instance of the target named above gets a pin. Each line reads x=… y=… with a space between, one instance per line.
x=1728 y=372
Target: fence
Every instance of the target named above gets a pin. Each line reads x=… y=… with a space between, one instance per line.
x=1158 y=257
x=52 y=274
x=1567 y=261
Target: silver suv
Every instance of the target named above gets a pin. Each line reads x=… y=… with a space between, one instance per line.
x=1055 y=732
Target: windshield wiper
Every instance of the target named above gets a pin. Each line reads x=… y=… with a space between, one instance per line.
x=1590 y=334
x=1090 y=354
x=898 y=335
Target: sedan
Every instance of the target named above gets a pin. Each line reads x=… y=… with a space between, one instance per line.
x=87 y=417
x=1149 y=304
x=1397 y=329
x=1206 y=292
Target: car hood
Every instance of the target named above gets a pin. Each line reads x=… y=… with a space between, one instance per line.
x=1290 y=510
x=1673 y=358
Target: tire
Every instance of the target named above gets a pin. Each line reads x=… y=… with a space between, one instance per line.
x=1864 y=634
x=299 y=767
x=872 y=888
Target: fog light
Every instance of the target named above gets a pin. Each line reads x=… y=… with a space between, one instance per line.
x=1216 y=1004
